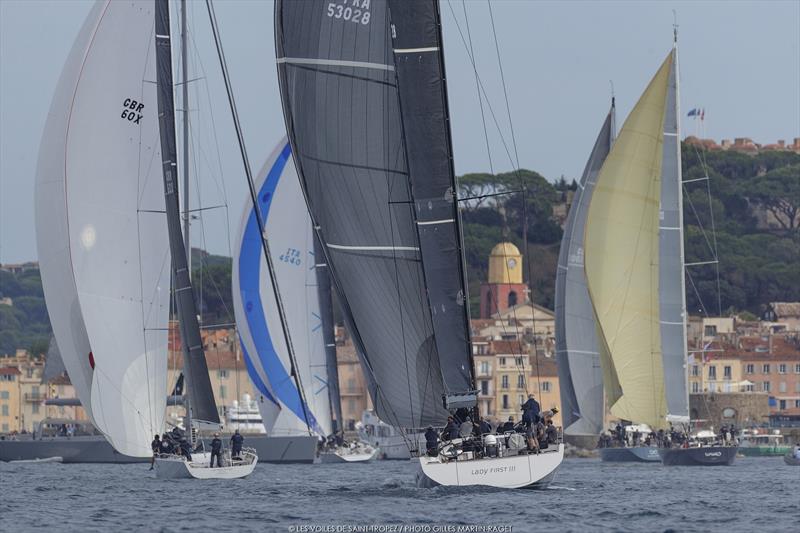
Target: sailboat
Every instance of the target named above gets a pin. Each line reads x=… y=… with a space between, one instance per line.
x=634 y=269
x=579 y=370
x=365 y=104
x=108 y=231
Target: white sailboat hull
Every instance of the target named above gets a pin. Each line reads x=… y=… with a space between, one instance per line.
x=512 y=472
x=177 y=467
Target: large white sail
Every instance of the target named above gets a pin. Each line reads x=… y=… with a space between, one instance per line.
x=101 y=230
x=291 y=238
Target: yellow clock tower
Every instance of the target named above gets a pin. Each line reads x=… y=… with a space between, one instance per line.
x=505 y=287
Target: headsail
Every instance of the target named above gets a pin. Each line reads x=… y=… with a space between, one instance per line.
x=201 y=395
x=102 y=248
x=579 y=368
x=341 y=105
x=291 y=236
x=622 y=256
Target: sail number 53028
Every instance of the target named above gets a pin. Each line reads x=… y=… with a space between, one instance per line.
x=352 y=10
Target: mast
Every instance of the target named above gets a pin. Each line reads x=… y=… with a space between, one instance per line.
x=259 y=219
x=185 y=88
x=203 y=406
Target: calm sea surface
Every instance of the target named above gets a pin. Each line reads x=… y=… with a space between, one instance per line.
x=753 y=495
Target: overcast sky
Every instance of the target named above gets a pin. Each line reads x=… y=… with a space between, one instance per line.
x=740 y=61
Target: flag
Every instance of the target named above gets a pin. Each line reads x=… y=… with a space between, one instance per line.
x=703 y=114
x=693 y=113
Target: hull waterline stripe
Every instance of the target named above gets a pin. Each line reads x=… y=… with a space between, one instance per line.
x=431 y=222
x=415 y=50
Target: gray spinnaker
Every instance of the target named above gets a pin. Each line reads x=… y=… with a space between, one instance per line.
x=419 y=60
x=579 y=370
x=53 y=364
x=340 y=99
x=328 y=335
x=672 y=292
x=201 y=395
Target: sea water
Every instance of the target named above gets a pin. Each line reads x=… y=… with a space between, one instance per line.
x=755 y=494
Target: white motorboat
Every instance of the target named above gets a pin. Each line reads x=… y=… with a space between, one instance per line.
x=178 y=467
x=356 y=452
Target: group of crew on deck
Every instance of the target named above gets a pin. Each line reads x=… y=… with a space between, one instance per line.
x=176 y=443
x=621 y=437
x=478 y=436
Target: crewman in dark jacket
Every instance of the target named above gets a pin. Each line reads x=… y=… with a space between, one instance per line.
x=236 y=444
x=432 y=441
x=485 y=427
x=156 y=447
x=216 y=450
x=508 y=426
x=450 y=431
x=166 y=445
x=530 y=411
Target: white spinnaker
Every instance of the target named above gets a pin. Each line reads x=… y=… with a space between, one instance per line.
x=288 y=227
x=115 y=249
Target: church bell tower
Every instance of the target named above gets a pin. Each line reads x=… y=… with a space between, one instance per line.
x=505 y=287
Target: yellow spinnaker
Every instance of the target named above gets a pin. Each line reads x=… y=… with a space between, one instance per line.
x=621 y=261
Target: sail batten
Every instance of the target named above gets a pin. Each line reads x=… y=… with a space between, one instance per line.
x=577 y=350
x=622 y=257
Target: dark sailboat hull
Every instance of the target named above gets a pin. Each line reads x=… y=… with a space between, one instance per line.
x=638 y=454
x=705 y=456
x=91 y=449
x=294 y=449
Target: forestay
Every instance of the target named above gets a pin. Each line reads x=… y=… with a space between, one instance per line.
x=100 y=225
x=338 y=86
x=577 y=352
x=291 y=237
x=622 y=257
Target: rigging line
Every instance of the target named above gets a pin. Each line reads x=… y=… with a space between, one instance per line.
x=696 y=292
x=485 y=95
x=703 y=162
x=477 y=87
x=254 y=198
x=699 y=221
x=483 y=196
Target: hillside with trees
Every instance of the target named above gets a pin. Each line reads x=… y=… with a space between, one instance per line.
x=753 y=221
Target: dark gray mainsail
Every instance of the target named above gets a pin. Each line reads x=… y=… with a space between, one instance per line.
x=201 y=396
x=419 y=60
x=328 y=335
x=338 y=86
x=580 y=373
x=671 y=291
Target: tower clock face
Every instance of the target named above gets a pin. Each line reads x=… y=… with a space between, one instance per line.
x=512 y=263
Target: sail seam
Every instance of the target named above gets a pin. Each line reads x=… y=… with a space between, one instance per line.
x=375 y=248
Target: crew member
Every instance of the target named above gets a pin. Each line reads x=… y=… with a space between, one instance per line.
x=236 y=444
x=216 y=450
x=508 y=426
x=485 y=427
x=156 y=447
x=530 y=411
x=450 y=431
x=431 y=441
